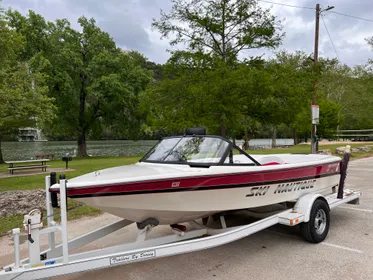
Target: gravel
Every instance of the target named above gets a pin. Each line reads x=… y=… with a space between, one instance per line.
x=21 y=202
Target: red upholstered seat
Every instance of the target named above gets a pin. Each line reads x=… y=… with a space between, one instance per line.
x=271 y=163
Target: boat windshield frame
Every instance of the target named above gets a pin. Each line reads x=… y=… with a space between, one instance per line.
x=227 y=153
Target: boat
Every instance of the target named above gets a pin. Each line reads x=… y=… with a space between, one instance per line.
x=195 y=175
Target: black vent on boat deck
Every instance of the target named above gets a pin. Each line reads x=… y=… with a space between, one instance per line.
x=195 y=131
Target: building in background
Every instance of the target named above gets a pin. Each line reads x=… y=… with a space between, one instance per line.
x=30 y=134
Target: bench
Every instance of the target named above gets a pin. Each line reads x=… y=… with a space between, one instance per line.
x=43 y=168
x=32 y=165
x=47 y=156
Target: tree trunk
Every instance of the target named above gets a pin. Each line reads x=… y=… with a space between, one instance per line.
x=246 y=140
x=295 y=139
x=274 y=137
x=1 y=154
x=245 y=145
x=223 y=127
x=223 y=130
x=82 y=145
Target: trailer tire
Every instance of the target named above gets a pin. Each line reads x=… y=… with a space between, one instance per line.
x=317 y=228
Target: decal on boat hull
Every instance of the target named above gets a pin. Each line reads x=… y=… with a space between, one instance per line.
x=282 y=188
x=295 y=186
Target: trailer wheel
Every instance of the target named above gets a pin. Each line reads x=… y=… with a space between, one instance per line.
x=317 y=228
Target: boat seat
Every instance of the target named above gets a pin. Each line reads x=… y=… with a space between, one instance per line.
x=271 y=163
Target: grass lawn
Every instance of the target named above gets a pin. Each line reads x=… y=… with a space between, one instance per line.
x=306 y=149
x=86 y=165
x=82 y=166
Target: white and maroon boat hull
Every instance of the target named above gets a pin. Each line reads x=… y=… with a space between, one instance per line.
x=178 y=207
x=179 y=193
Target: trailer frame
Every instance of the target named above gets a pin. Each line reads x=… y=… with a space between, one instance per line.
x=57 y=259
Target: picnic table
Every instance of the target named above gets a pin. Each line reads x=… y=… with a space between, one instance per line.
x=27 y=164
x=42 y=156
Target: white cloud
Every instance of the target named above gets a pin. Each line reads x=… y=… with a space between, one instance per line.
x=129 y=23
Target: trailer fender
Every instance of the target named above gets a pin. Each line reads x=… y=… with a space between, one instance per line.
x=305 y=203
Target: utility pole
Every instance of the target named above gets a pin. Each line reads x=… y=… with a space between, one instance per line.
x=315 y=108
x=315 y=58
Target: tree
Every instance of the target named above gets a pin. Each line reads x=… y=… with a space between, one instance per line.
x=195 y=95
x=214 y=32
x=23 y=98
x=221 y=28
x=329 y=120
x=337 y=83
x=95 y=84
x=291 y=91
x=359 y=114
x=35 y=31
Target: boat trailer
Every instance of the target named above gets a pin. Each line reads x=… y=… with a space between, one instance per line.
x=310 y=212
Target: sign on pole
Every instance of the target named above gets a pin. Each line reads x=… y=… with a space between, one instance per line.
x=315 y=114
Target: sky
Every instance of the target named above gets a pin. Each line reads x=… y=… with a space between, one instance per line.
x=129 y=23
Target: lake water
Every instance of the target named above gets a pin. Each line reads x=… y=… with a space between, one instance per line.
x=29 y=150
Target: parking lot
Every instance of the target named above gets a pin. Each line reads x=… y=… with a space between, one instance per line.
x=276 y=253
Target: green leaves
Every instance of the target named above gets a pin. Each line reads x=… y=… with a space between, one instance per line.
x=222 y=28
x=100 y=86
x=92 y=82
x=206 y=84
x=199 y=95
x=23 y=99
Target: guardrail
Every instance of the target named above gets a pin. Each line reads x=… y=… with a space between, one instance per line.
x=356 y=134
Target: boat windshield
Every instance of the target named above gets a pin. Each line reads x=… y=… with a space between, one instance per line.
x=188 y=149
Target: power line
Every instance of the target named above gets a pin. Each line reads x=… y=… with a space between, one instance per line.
x=370 y=20
x=330 y=38
x=282 y=4
x=309 y=8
